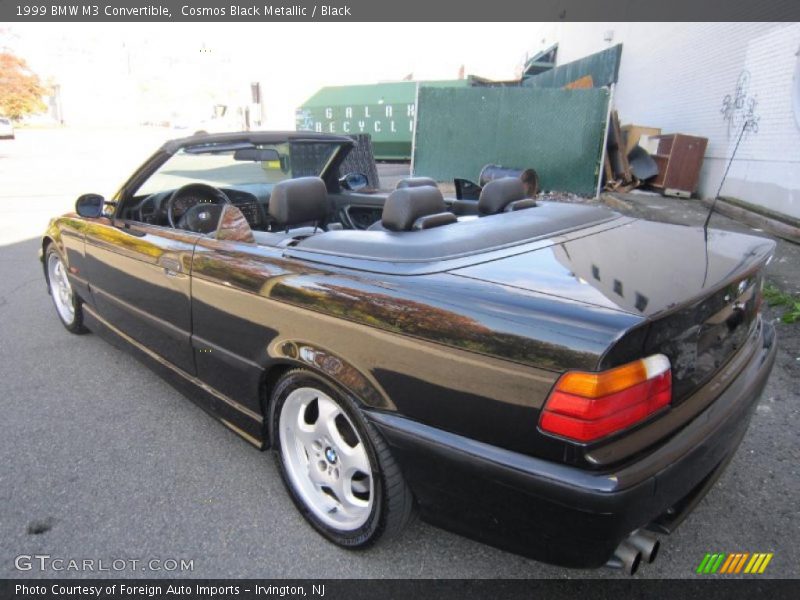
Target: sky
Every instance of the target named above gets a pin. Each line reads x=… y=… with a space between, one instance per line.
x=155 y=71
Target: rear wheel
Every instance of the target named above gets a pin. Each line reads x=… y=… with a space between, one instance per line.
x=67 y=305
x=337 y=468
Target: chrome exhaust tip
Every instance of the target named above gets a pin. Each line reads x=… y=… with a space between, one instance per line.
x=626 y=557
x=646 y=543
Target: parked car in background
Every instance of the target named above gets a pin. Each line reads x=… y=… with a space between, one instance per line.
x=554 y=379
x=6 y=129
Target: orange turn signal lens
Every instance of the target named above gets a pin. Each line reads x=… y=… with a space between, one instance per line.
x=588 y=406
x=597 y=385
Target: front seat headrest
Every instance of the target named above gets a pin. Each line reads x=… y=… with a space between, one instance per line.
x=404 y=206
x=298 y=201
x=411 y=182
x=499 y=193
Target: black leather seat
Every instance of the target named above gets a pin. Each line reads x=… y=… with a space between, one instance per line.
x=503 y=195
x=414 y=208
x=301 y=201
x=299 y=206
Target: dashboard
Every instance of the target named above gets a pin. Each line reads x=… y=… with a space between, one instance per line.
x=152 y=209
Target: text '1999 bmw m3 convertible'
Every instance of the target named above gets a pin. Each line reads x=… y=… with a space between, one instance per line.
x=553 y=379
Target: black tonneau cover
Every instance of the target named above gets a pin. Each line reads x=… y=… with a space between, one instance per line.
x=456 y=240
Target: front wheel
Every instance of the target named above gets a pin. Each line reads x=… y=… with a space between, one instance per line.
x=336 y=467
x=68 y=307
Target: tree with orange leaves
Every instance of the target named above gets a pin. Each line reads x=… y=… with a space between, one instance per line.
x=21 y=91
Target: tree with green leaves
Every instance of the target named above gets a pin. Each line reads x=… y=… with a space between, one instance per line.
x=21 y=91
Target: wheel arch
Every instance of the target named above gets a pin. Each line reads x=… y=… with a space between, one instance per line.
x=52 y=236
x=46 y=241
x=342 y=375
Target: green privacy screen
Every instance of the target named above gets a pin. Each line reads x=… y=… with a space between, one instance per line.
x=557 y=132
x=383 y=110
x=602 y=68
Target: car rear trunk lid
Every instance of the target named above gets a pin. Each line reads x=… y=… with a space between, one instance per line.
x=699 y=292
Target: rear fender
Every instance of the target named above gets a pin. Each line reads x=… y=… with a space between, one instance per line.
x=289 y=354
x=365 y=390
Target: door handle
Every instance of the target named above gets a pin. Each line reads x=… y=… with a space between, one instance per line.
x=172 y=267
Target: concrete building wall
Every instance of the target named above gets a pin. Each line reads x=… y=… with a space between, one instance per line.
x=706 y=79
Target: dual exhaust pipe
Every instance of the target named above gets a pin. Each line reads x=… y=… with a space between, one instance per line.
x=637 y=547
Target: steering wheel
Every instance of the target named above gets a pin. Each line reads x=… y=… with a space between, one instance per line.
x=193 y=195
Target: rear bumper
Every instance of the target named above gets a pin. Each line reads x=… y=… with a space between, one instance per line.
x=565 y=515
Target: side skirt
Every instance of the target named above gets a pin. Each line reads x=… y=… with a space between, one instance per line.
x=239 y=419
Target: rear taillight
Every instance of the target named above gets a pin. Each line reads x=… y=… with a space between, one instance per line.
x=588 y=406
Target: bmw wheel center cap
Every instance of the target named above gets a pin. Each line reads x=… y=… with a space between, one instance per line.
x=330 y=454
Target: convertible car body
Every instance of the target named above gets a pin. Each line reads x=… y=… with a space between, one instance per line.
x=557 y=380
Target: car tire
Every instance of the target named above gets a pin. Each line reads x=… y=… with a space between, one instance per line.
x=336 y=466
x=67 y=304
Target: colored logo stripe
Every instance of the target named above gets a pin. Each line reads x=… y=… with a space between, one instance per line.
x=711 y=562
x=727 y=564
x=734 y=563
x=758 y=563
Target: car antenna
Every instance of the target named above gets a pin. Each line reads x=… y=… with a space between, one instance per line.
x=745 y=126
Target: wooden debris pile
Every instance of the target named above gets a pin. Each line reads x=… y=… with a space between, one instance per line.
x=620 y=174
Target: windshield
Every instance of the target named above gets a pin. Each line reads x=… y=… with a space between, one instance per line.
x=240 y=164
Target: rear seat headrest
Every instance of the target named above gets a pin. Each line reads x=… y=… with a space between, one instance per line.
x=499 y=193
x=520 y=204
x=404 y=206
x=431 y=221
x=411 y=182
x=298 y=201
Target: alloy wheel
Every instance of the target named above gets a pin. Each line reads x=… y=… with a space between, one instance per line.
x=60 y=289
x=326 y=459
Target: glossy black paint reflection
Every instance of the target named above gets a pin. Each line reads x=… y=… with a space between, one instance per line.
x=140 y=281
x=641 y=268
x=697 y=294
x=262 y=303
x=499 y=332
x=567 y=516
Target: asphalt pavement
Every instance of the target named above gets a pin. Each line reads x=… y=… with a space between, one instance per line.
x=103 y=460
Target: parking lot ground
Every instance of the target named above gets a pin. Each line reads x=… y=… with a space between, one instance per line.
x=104 y=460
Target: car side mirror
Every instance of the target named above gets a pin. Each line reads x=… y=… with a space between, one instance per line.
x=354 y=181
x=466 y=189
x=90 y=206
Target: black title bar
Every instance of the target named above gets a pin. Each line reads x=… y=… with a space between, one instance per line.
x=393 y=589
x=400 y=10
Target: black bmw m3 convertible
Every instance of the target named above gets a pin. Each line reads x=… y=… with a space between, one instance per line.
x=556 y=380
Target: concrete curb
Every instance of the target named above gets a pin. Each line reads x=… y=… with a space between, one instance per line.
x=773 y=226
x=615 y=202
